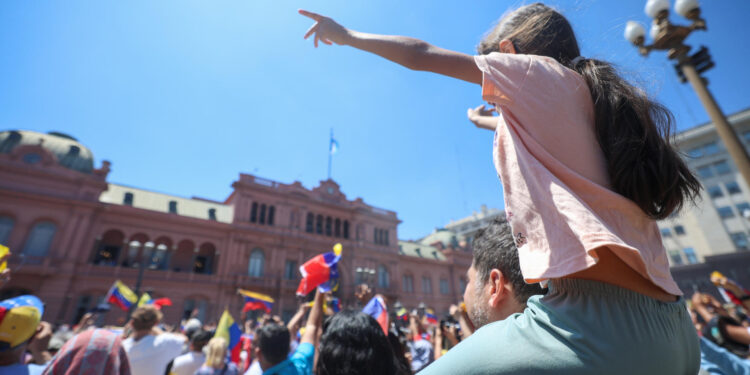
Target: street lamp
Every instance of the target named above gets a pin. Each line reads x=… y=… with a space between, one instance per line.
x=145 y=258
x=671 y=37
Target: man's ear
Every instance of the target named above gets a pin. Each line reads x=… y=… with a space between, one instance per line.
x=498 y=287
x=506 y=46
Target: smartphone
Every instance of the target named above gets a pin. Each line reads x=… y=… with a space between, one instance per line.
x=3 y=252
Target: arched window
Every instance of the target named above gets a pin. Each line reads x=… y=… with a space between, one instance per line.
x=319 y=224
x=109 y=249
x=254 y=213
x=255 y=267
x=337 y=228
x=6 y=226
x=346 y=229
x=40 y=239
x=329 y=225
x=262 y=214
x=309 y=222
x=271 y=214
x=383 y=277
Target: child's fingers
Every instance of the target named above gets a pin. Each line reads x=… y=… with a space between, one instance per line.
x=311 y=30
x=326 y=41
x=312 y=15
x=316 y=40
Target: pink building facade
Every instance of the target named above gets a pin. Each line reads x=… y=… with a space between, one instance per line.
x=72 y=234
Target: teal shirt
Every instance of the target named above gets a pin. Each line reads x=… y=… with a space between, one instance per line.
x=299 y=363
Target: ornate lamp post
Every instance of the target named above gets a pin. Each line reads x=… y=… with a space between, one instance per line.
x=143 y=260
x=671 y=37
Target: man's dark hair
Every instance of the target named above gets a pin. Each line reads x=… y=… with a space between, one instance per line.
x=273 y=342
x=145 y=317
x=495 y=248
x=199 y=339
x=354 y=343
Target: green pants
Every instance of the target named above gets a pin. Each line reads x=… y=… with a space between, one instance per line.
x=581 y=327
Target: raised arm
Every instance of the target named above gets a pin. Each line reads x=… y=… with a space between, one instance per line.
x=409 y=52
x=314 y=320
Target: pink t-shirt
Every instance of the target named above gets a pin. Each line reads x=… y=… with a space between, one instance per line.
x=558 y=198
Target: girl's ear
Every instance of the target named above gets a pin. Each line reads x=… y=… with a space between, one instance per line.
x=506 y=46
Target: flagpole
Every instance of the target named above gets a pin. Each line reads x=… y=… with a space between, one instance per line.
x=330 y=154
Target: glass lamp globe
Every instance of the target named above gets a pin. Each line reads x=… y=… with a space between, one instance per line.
x=634 y=31
x=683 y=7
x=653 y=7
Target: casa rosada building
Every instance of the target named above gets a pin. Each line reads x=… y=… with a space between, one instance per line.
x=73 y=233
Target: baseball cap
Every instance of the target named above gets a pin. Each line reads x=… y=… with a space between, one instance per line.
x=19 y=318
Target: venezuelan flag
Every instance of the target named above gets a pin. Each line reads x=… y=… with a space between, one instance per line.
x=320 y=271
x=376 y=309
x=429 y=314
x=120 y=295
x=256 y=301
x=228 y=330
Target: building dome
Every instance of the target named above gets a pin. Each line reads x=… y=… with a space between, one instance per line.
x=69 y=153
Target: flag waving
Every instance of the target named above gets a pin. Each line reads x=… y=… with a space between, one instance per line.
x=256 y=301
x=120 y=295
x=429 y=314
x=376 y=309
x=229 y=331
x=320 y=271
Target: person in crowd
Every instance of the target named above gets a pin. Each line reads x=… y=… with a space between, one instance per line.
x=272 y=345
x=22 y=331
x=719 y=326
x=353 y=343
x=4 y=274
x=91 y=352
x=217 y=362
x=149 y=348
x=421 y=349
x=397 y=345
x=587 y=168
x=191 y=361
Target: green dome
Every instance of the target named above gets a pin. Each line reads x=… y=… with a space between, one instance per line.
x=69 y=153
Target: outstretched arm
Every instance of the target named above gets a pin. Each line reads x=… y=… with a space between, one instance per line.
x=409 y=52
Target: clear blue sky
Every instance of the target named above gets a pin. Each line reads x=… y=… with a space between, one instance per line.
x=181 y=96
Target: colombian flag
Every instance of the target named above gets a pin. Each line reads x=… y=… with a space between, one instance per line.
x=430 y=315
x=320 y=272
x=159 y=302
x=256 y=301
x=230 y=331
x=403 y=314
x=376 y=309
x=120 y=295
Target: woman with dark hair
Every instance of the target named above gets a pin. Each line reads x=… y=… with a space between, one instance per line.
x=353 y=343
x=404 y=367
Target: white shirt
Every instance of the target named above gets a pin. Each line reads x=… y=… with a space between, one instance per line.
x=188 y=363
x=254 y=369
x=151 y=354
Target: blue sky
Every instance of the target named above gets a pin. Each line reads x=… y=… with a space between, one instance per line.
x=181 y=96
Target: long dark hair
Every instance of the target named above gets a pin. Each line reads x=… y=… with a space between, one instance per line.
x=633 y=131
x=353 y=343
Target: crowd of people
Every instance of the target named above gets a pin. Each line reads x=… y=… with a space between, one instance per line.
x=317 y=340
x=575 y=281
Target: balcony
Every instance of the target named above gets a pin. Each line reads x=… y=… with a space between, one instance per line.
x=119 y=272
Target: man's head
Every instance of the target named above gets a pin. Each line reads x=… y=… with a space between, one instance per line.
x=199 y=339
x=145 y=318
x=271 y=345
x=495 y=287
